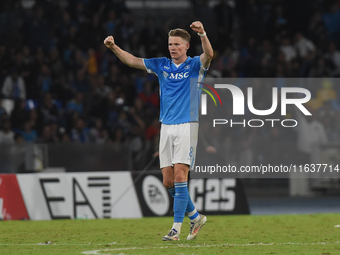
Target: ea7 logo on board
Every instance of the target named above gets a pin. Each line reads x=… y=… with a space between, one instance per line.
x=178 y=76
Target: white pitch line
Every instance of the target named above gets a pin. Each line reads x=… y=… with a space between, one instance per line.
x=157 y=246
x=56 y=244
x=99 y=252
x=61 y=244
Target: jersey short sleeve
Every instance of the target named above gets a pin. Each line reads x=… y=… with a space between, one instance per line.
x=153 y=65
x=196 y=62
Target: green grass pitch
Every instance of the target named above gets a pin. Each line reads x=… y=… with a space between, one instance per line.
x=281 y=234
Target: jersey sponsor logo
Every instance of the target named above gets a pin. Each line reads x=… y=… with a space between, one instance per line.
x=178 y=76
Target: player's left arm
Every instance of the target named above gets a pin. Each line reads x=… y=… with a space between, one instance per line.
x=208 y=51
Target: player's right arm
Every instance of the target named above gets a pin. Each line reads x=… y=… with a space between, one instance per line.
x=123 y=55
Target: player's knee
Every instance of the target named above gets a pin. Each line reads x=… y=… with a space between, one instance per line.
x=181 y=173
x=181 y=178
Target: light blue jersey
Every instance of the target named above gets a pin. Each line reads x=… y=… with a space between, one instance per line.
x=178 y=88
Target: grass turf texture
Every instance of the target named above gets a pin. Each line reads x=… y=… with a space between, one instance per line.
x=283 y=234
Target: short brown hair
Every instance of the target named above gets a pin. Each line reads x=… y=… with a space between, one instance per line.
x=180 y=33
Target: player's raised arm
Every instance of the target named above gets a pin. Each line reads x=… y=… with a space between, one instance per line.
x=124 y=56
x=208 y=51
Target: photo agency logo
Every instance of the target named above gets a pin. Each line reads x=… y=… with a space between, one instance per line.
x=204 y=97
x=281 y=97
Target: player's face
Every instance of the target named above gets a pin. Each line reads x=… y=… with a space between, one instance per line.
x=178 y=47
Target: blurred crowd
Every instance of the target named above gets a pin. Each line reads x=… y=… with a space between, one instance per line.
x=60 y=84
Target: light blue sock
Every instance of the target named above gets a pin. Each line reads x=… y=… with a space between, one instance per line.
x=172 y=191
x=191 y=209
x=180 y=200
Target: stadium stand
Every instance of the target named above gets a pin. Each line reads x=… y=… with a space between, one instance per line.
x=59 y=83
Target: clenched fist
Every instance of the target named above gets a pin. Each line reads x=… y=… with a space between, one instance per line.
x=109 y=42
x=197 y=26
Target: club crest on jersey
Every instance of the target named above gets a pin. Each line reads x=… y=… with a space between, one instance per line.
x=178 y=76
